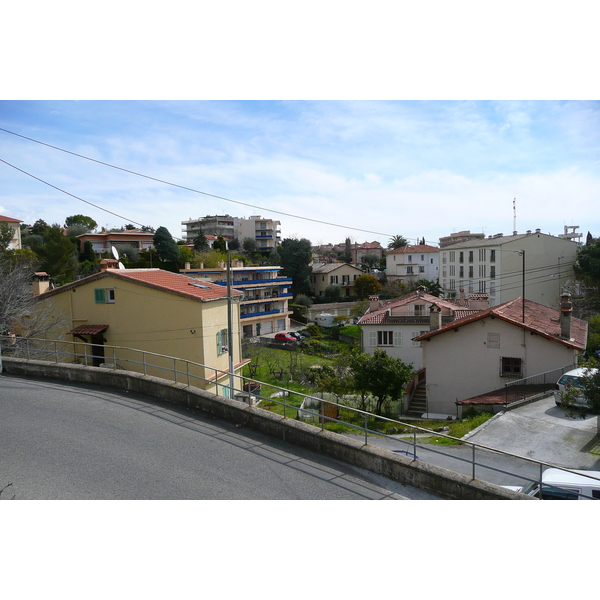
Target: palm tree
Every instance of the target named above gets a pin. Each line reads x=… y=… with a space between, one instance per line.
x=397 y=241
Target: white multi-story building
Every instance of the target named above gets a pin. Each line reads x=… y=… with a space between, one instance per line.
x=532 y=264
x=265 y=232
x=411 y=263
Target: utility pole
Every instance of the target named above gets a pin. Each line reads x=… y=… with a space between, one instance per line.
x=522 y=253
x=229 y=324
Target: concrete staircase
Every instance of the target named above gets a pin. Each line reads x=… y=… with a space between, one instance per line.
x=418 y=403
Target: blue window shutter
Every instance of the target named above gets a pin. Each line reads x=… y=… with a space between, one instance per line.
x=99 y=295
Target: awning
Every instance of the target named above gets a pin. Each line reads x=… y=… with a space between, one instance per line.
x=88 y=329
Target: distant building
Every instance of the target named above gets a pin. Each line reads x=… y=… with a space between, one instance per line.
x=15 y=224
x=265 y=232
x=104 y=241
x=342 y=275
x=264 y=305
x=408 y=264
x=461 y=236
x=494 y=266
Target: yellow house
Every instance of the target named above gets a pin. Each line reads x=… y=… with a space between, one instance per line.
x=157 y=312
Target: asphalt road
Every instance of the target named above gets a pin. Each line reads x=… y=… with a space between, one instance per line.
x=540 y=431
x=71 y=441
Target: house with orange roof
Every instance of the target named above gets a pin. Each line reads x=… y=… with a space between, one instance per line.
x=479 y=353
x=104 y=241
x=15 y=225
x=393 y=325
x=408 y=264
x=154 y=311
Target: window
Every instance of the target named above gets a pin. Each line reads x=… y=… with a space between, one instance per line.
x=493 y=272
x=422 y=258
x=333 y=279
x=493 y=340
x=385 y=338
x=482 y=270
x=482 y=287
x=461 y=257
x=409 y=270
x=110 y=296
x=99 y=296
x=372 y=338
x=461 y=271
x=470 y=272
x=511 y=367
x=470 y=255
x=452 y=271
x=492 y=256
x=222 y=342
x=345 y=279
x=482 y=254
x=410 y=258
x=421 y=269
x=419 y=310
x=452 y=256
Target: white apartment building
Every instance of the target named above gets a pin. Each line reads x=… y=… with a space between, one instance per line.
x=411 y=263
x=532 y=264
x=265 y=232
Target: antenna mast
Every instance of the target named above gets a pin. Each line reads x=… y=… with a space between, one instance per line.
x=515 y=215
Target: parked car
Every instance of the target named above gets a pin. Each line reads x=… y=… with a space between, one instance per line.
x=285 y=337
x=563 y=485
x=297 y=335
x=572 y=380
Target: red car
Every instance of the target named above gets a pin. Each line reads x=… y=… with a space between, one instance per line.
x=285 y=337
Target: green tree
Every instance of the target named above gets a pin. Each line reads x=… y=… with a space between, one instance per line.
x=220 y=244
x=249 y=246
x=347 y=258
x=58 y=255
x=200 y=242
x=366 y=285
x=295 y=258
x=587 y=266
x=370 y=261
x=590 y=385
x=39 y=227
x=79 y=224
x=6 y=235
x=593 y=343
x=165 y=245
x=380 y=375
x=397 y=241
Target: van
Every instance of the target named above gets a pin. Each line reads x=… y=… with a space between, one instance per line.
x=572 y=380
x=563 y=485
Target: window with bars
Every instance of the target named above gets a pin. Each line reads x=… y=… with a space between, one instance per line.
x=511 y=367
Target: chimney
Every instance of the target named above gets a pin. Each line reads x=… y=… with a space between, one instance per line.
x=462 y=293
x=108 y=263
x=566 y=308
x=373 y=302
x=41 y=283
x=435 y=317
x=187 y=265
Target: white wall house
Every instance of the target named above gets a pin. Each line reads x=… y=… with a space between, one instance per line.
x=15 y=225
x=393 y=325
x=494 y=266
x=482 y=352
x=411 y=263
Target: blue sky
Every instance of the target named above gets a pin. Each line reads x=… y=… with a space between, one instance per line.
x=366 y=169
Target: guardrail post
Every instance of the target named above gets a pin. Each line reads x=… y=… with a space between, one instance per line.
x=144 y=362
x=55 y=350
x=284 y=406
x=415 y=441
x=473 y=460
x=366 y=429
x=175 y=369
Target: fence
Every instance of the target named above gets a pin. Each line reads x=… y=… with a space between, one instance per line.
x=290 y=404
x=528 y=387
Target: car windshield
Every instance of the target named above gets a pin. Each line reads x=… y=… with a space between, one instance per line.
x=569 y=380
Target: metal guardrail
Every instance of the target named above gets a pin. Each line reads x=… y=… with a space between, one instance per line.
x=329 y=415
x=531 y=386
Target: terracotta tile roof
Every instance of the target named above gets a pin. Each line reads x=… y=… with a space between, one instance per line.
x=381 y=314
x=420 y=248
x=539 y=319
x=166 y=281
x=88 y=329
x=175 y=283
x=9 y=220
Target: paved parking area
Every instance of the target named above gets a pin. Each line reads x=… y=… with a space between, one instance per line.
x=543 y=431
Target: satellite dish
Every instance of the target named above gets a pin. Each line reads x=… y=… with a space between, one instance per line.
x=121 y=265
x=115 y=253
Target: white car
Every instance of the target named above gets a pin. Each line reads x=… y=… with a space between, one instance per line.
x=563 y=485
x=572 y=379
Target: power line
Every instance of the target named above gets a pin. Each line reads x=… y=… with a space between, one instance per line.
x=182 y=187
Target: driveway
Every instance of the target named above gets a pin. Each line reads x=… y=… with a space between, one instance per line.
x=542 y=431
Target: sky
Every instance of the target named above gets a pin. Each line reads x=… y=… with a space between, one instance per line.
x=326 y=169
